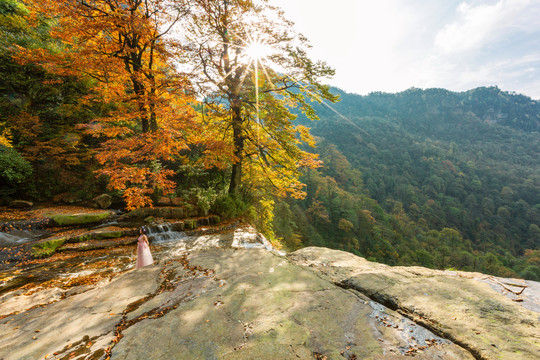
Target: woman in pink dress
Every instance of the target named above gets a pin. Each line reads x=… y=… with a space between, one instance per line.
x=144 y=256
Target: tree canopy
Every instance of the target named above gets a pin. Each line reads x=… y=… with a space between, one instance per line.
x=172 y=83
x=251 y=68
x=125 y=49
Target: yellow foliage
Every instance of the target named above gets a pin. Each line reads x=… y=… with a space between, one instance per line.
x=4 y=139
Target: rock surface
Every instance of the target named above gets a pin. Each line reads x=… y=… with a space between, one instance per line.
x=102 y=201
x=82 y=218
x=161 y=212
x=236 y=300
x=458 y=306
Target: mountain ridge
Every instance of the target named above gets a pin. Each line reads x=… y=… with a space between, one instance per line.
x=497 y=106
x=427 y=177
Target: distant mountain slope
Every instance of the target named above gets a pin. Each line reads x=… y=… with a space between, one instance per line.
x=457 y=176
x=487 y=104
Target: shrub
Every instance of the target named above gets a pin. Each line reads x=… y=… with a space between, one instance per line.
x=531 y=272
x=14 y=169
x=205 y=199
x=229 y=206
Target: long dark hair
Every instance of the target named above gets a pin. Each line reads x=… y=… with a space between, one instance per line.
x=144 y=230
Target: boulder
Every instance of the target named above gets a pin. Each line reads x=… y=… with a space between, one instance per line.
x=21 y=204
x=102 y=201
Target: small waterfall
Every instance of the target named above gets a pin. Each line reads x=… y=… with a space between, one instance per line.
x=164 y=233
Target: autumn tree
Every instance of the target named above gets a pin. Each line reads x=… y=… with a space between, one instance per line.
x=37 y=109
x=251 y=69
x=125 y=47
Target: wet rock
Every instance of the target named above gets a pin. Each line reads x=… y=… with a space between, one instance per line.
x=88 y=241
x=21 y=204
x=29 y=224
x=102 y=234
x=102 y=201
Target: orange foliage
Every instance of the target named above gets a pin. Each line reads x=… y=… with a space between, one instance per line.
x=126 y=47
x=28 y=128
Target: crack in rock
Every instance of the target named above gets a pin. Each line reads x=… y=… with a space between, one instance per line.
x=393 y=304
x=171 y=282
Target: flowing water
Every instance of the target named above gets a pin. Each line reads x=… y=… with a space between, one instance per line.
x=19 y=237
x=164 y=233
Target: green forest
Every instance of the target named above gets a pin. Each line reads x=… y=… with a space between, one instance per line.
x=428 y=177
x=102 y=98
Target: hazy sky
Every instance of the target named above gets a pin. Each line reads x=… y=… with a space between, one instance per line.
x=392 y=45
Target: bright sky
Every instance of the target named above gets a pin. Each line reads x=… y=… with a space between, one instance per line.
x=392 y=45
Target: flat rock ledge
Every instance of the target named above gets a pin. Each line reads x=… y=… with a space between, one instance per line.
x=254 y=304
x=458 y=306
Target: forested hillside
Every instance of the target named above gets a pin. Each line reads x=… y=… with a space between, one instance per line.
x=428 y=177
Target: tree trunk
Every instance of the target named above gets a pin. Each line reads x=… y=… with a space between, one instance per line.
x=138 y=89
x=238 y=141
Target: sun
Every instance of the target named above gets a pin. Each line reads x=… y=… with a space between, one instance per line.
x=257 y=49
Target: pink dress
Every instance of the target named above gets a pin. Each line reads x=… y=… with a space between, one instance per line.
x=144 y=256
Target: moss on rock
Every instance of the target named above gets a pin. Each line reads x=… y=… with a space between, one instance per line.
x=47 y=248
x=190 y=224
x=79 y=218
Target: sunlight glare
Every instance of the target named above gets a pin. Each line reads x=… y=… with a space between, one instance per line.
x=257 y=50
